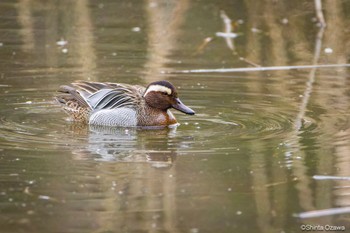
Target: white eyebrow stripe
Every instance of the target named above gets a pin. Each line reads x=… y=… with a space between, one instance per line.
x=158 y=88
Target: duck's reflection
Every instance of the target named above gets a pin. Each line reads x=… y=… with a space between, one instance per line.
x=154 y=146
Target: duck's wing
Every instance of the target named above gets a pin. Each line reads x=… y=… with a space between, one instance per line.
x=108 y=95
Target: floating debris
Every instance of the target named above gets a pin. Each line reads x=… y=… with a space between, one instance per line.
x=320 y=177
x=62 y=42
x=256 y=30
x=284 y=21
x=136 y=29
x=226 y=34
x=160 y=164
x=44 y=197
x=328 y=50
x=27 y=191
x=153 y=4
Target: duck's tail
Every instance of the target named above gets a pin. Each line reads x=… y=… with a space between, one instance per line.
x=73 y=103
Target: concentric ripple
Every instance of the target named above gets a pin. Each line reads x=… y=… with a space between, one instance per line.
x=31 y=135
x=37 y=123
x=30 y=121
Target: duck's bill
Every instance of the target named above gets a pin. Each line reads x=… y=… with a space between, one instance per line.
x=182 y=108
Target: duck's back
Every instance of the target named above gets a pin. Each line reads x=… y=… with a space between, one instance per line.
x=109 y=104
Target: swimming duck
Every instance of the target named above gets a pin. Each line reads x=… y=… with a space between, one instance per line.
x=115 y=104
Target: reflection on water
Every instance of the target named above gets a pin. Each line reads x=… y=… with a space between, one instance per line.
x=122 y=145
x=246 y=162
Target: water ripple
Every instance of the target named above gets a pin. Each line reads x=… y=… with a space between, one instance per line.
x=40 y=125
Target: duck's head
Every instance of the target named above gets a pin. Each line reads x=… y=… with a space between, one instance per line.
x=163 y=95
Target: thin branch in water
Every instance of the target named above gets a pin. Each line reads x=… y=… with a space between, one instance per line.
x=322 y=213
x=310 y=82
x=256 y=69
x=203 y=45
x=227 y=30
x=275 y=184
x=227 y=21
x=320 y=177
x=249 y=62
x=229 y=37
x=319 y=13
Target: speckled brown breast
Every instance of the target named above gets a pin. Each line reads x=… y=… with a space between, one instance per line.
x=155 y=117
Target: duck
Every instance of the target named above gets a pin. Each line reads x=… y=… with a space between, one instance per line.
x=122 y=105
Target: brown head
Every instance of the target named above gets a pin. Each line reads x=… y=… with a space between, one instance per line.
x=163 y=95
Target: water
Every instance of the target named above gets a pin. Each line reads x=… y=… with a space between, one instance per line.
x=251 y=158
